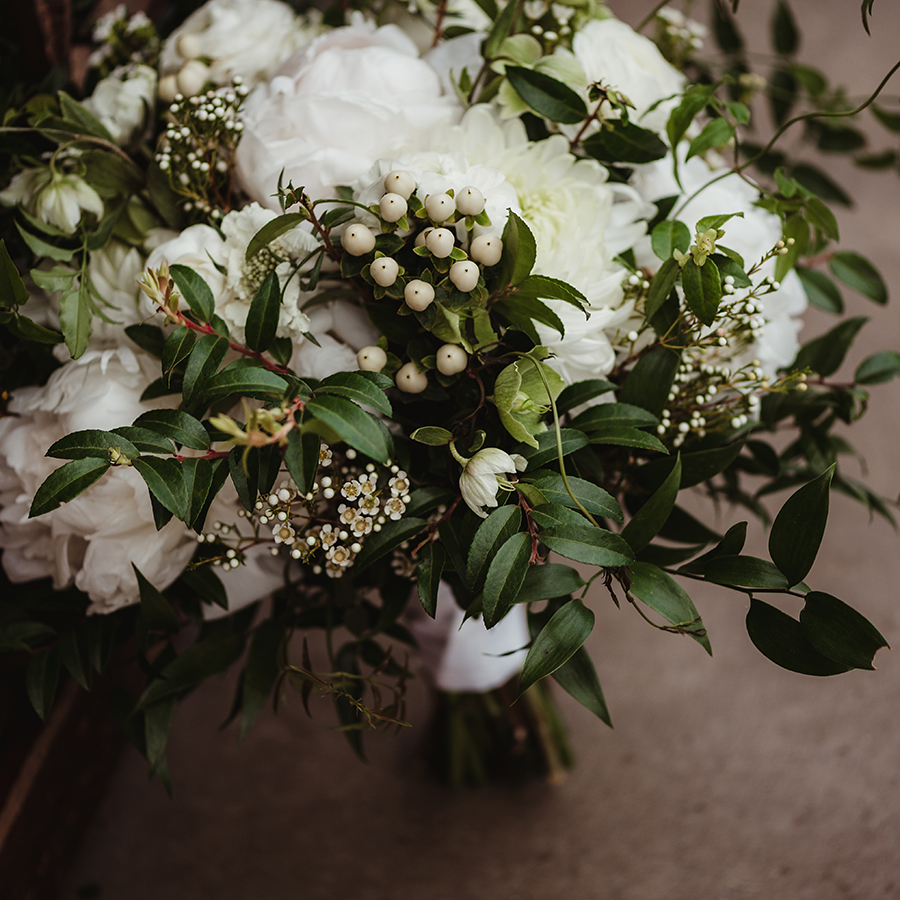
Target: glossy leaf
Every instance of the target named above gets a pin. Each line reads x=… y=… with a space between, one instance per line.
x=504 y=577
x=581 y=392
x=858 y=273
x=594 y=499
x=626 y=436
x=273 y=230
x=648 y=383
x=145 y=440
x=588 y=544
x=195 y=290
x=356 y=387
x=432 y=558
x=262 y=317
x=91 y=444
x=716 y=133
x=547 y=451
x=878 y=368
x=359 y=429
x=557 y=642
x=625 y=142
x=66 y=483
x=164 y=479
x=391 y=536
x=546 y=96
x=549 y=581
x=261 y=671
x=41 y=679
x=746 y=571
x=177 y=347
x=302 y=458
x=839 y=632
x=670 y=235
x=661 y=286
x=647 y=521
x=182 y=428
x=500 y=525
x=245 y=379
x=702 y=290
x=578 y=678
x=156 y=611
x=202 y=364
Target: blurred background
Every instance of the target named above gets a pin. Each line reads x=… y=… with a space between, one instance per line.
x=724 y=778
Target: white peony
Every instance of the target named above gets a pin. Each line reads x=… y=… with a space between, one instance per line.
x=124 y=101
x=93 y=540
x=247 y=38
x=614 y=53
x=352 y=96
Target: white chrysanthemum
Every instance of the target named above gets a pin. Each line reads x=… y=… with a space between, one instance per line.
x=93 y=540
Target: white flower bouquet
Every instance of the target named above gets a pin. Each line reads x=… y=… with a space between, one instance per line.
x=415 y=322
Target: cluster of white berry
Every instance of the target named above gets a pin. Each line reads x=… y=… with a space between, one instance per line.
x=442 y=263
x=549 y=22
x=197 y=148
x=678 y=37
x=123 y=41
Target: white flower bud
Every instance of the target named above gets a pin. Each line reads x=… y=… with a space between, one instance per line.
x=192 y=77
x=464 y=275
x=392 y=207
x=470 y=201
x=371 y=359
x=168 y=88
x=418 y=294
x=384 y=271
x=358 y=240
x=440 y=242
x=189 y=46
x=410 y=379
x=486 y=249
x=439 y=207
x=451 y=359
x=400 y=182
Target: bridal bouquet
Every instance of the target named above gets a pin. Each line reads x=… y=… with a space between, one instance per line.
x=414 y=321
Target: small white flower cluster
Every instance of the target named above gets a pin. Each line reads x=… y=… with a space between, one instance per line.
x=326 y=527
x=677 y=36
x=197 y=149
x=123 y=40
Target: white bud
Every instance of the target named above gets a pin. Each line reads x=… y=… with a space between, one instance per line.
x=418 y=294
x=189 y=46
x=464 y=275
x=451 y=359
x=632 y=336
x=384 y=271
x=439 y=207
x=410 y=379
x=486 y=249
x=392 y=207
x=400 y=182
x=440 y=242
x=192 y=77
x=168 y=88
x=358 y=240
x=371 y=359
x=470 y=201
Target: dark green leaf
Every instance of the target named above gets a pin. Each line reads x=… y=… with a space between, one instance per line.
x=557 y=642
x=91 y=445
x=31 y=331
x=202 y=364
x=825 y=354
x=492 y=533
x=692 y=101
x=647 y=521
x=581 y=392
x=158 y=720
x=607 y=414
x=85 y=122
x=588 y=544
x=782 y=639
x=145 y=440
x=12 y=289
x=502 y=26
x=702 y=289
x=198 y=483
x=41 y=678
x=261 y=672
x=504 y=578
x=878 y=368
x=669 y=235
x=165 y=480
x=820 y=290
x=549 y=515
x=156 y=611
x=625 y=142
x=75 y=318
x=540 y=287
x=745 y=571
x=546 y=96
x=594 y=499
x=626 y=436
x=177 y=347
x=785 y=37
x=715 y=133
x=432 y=558
x=578 y=677
x=273 y=229
x=392 y=535
x=195 y=290
x=148 y=337
x=858 y=273
x=74 y=652
x=661 y=286
x=302 y=458
x=647 y=385
x=244 y=378
x=432 y=435
x=262 y=318
x=839 y=632
x=355 y=387
x=519 y=311
x=549 y=581
x=359 y=429
x=546 y=450
x=177 y=425
x=204 y=582
x=66 y=483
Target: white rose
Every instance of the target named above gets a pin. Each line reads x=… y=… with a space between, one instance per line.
x=93 y=540
x=247 y=38
x=614 y=53
x=352 y=96
x=124 y=101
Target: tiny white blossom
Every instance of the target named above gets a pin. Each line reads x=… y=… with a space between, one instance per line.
x=483 y=475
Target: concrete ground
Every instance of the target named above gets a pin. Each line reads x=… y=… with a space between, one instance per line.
x=724 y=777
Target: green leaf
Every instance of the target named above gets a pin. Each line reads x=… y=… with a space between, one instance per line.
x=148 y=337
x=302 y=458
x=41 y=679
x=261 y=672
x=746 y=571
x=647 y=521
x=79 y=115
x=782 y=639
x=546 y=450
x=519 y=250
x=146 y=441
x=578 y=677
x=610 y=414
x=785 y=37
x=549 y=515
x=878 y=368
x=692 y=101
x=206 y=657
x=177 y=425
x=826 y=353
x=502 y=26
x=858 y=273
x=519 y=311
x=156 y=611
x=245 y=378
x=271 y=230
x=91 y=444
x=198 y=485
x=204 y=582
x=669 y=235
x=59 y=278
x=820 y=290
x=839 y=632
x=541 y=287
x=796 y=228
x=432 y=435
x=75 y=318
x=715 y=133
x=500 y=525
x=594 y=499
x=432 y=559
x=392 y=535
x=660 y=287
x=820 y=216
x=890 y=120
x=203 y=363
x=262 y=318
x=557 y=642
x=546 y=96
x=165 y=481
x=588 y=544
x=158 y=721
x=647 y=385
x=798 y=528
x=359 y=429
x=702 y=289
x=582 y=392
x=355 y=387
x=625 y=142
x=42 y=249
x=504 y=577
x=626 y=436
x=195 y=290
x=74 y=653
x=177 y=347
x=12 y=289
x=66 y=483
x=549 y=581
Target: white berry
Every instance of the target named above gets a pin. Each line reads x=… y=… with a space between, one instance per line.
x=358 y=240
x=384 y=271
x=440 y=242
x=470 y=201
x=486 y=249
x=400 y=182
x=168 y=88
x=189 y=46
x=439 y=207
x=192 y=77
x=464 y=275
x=392 y=207
x=371 y=359
x=451 y=359
x=422 y=236
x=410 y=379
x=418 y=294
